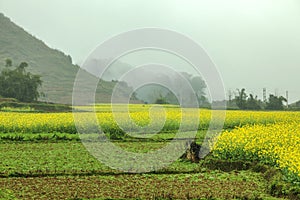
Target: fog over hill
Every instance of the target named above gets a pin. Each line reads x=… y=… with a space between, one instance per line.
x=56 y=68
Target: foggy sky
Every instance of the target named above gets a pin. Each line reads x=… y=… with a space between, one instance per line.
x=254 y=43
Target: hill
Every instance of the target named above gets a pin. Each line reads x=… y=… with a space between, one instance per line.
x=55 y=67
x=57 y=71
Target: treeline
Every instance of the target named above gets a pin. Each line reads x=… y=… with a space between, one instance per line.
x=244 y=101
x=17 y=83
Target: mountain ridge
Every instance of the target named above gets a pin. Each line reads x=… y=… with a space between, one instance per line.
x=54 y=66
x=57 y=71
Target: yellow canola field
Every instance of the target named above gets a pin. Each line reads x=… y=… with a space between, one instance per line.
x=276 y=144
x=165 y=119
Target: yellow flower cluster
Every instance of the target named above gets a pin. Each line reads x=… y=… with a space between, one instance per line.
x=166 y=118
x=36 y=122
x=277 y=144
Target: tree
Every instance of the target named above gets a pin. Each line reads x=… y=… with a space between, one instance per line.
x=199 y=86
x=22 y=66
x=247 y=103
x=241 y=99
x=275 y=103
x=253 y=103
x=19 y=84
x=8 y=62
x=188 y=86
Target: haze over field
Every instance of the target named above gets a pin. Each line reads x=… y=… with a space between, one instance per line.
x=255 y=44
